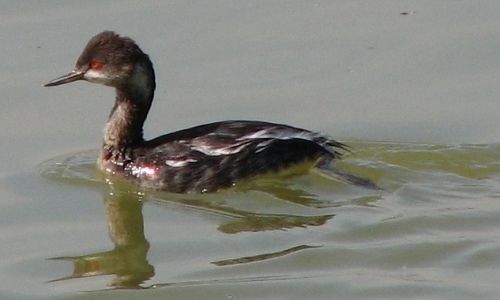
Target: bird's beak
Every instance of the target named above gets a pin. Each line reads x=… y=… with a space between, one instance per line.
x=70 y=77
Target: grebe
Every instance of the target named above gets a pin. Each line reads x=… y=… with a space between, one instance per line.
x=204 y=158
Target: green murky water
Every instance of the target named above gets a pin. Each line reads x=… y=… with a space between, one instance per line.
x=424 y=71
x=434 y=231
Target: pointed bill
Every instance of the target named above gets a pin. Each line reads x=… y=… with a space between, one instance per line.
x=70 y=77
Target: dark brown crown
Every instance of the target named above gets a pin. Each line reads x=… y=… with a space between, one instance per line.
x=110 y=48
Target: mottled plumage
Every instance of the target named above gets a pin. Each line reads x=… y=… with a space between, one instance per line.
x=200 y=159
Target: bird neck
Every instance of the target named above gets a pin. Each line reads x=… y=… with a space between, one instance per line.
x=133 y=100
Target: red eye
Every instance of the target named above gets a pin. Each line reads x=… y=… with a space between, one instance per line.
x=96 y=65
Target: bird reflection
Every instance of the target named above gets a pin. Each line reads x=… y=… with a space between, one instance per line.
x=128 y=259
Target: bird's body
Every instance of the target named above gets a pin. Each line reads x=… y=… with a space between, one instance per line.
x=208 y=157
x=204 y=158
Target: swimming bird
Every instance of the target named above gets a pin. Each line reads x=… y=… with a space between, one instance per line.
x=204 y=158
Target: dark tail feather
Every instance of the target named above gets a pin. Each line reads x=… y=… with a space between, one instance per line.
x=325 y=168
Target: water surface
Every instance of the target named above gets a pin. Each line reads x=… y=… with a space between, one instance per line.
x=411 y=86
